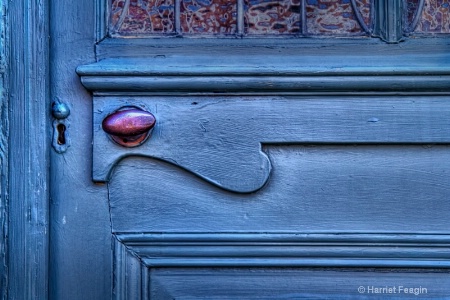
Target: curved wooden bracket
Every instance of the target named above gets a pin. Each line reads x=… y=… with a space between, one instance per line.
x=203 y=140
x=219 y=137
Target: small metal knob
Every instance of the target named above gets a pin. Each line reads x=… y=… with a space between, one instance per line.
x=60 y=110
x=129 y=127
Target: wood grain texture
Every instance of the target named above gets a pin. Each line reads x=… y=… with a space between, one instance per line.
x=373 y=206
x=364 y=185
x=366 y=52
x=3 y=200
x=322 y=189
x=81 y=264
x=130 y=274
x=28 y=238
x=288 y=250
x=293 y=283
x=266 y=266
x=312 y=64
x=271 y=69
x=219 y=138
x=268 y=85
x=4 y=131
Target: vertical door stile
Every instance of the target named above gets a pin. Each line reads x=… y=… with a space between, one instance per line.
x=28 y=196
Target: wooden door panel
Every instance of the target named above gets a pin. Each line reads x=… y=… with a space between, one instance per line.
x=312 y=164
x=138 y=277
x=278 y=168
x=220 y=138
x=290 y=283
x=334 y=188
x=334 y=163
x=351 y=182
x=234 y=182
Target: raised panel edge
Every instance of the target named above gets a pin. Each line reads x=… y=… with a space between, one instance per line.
x=290 y=250
x=131 y=276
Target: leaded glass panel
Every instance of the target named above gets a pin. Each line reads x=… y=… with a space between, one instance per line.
x=335 y=17
x=142 y=17
x=435 y=17
x=208 y=17
x=272 y=16
x=247 y=18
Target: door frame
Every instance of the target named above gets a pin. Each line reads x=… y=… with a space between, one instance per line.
x=26 y=98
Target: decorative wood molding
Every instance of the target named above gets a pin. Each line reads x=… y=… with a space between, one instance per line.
x=131 y=276
x=268 y=85
x=267 y=74
x=136 y=254
x=171 y=85
x=102 y=8
x=388 y=22
x=288 y=249
x=28 y=94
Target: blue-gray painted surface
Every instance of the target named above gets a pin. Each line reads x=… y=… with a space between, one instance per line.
x=293 y=283
x=4 y=127
x=270 y=160
x=389 y=18
x=312 y=188
x=80 y=248
x=274 y=156
x=28 y=191
x=211 y=137
x=277 y=168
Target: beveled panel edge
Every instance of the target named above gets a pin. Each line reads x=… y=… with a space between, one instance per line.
x=132 y=269
x=131 y=278
x=304 y=250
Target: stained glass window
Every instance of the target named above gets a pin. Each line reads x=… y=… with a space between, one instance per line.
x=246 y=18
x=435 y=16
x=142 y=16
x=208 y=17
x=272 y=16
x=331 y=17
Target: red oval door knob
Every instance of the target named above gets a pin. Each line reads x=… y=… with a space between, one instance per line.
x=129 y=127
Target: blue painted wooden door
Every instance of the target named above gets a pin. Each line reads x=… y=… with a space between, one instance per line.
x=277 y=168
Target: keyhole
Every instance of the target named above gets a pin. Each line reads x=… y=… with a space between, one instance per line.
x=61 y=134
